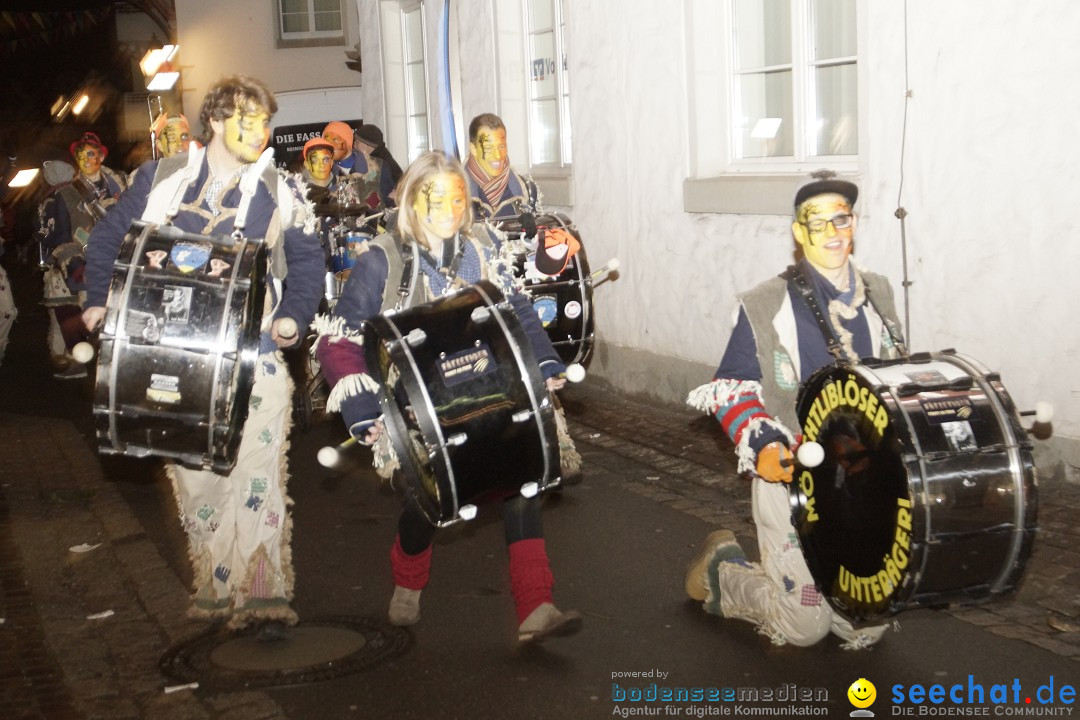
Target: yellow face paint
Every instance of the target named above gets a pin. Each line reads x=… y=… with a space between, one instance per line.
x=319 y=163
x=175 y=138
x=825 y=231
x=440 y=204
x=247 y=133
x=88 y=158
x=490 y=150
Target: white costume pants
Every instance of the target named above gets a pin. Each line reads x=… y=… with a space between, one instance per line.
x=778 y=594
x=8 y=313
x=238 y=526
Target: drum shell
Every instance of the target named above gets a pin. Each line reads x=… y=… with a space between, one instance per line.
x=431 y=393
x=177 y=350
x=563 y=302
x=931 y=500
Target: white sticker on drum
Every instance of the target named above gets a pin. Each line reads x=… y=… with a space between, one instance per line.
x=572 y=309
x=916 y=373
x=176 y=303
x=467 y=365
x=164 y=389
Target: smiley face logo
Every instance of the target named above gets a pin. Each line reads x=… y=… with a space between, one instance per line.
x=862 y=693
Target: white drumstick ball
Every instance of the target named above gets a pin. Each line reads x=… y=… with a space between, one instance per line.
x=613 y=264
x=810 y=454
x=575 y=373
x=287 y=327
x=328 y=457
x=83 y=352
x=1044 y=412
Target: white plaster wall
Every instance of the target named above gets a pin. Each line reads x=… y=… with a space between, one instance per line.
x=224 y=38
x=990 y=174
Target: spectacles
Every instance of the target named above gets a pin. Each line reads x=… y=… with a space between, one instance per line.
x=839 y=222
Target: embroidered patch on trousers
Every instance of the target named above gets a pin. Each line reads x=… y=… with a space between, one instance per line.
x=810 y=597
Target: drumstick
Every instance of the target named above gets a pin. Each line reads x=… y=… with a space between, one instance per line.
x=329 y=456
x=83 y=352
x=1043 y=412
x=611 y=266
x=575 y=372
x=809 y=455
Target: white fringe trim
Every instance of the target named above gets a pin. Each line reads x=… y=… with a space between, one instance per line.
x=710 y=396
x=336 y=329
x=350 y=386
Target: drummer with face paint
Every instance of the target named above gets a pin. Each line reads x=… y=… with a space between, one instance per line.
x=499 y=191
x=777 y=342
x=434 y=233
x=238 y=525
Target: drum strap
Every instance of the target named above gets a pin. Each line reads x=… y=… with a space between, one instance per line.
x=797 y=279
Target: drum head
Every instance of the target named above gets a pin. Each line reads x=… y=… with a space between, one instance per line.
x=853 y=511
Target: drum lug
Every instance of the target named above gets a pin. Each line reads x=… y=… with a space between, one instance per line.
x=480 y=315
x=458 y=439
x=521 y=416
x=467 y=512
x=529 y=489
x=415 y=337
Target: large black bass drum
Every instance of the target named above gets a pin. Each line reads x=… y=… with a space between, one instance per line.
x=466 y=408
x=564 y=302
x=927 y=493
x=179 y=346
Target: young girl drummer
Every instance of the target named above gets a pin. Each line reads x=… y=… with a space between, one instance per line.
x=434 y=227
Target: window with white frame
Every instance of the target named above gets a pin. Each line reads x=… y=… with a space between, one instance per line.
x=549 y=83
x=303 y=23
x=415 y=66
x=793 y=88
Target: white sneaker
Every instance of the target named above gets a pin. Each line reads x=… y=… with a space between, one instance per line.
x=404 y=607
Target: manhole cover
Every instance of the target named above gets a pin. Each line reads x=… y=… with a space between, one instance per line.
x=315 y=650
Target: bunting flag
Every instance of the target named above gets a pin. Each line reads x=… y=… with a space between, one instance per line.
x=20 y=31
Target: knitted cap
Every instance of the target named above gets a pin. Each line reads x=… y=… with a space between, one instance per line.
x=342 y=130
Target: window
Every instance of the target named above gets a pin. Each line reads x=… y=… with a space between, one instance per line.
x=416 y=105
x=794 y=91
x=307 y=23
x=549 y=83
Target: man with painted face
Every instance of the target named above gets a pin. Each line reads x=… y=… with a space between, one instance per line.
x=499 y=191
x=65 y=218
x=435 y=236
x=173 y=134
x=370 y=184
x=777 y=342
x=238 y=525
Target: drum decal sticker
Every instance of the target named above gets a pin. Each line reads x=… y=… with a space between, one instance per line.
x=467 y=365
x=849 y=394
x=176 y=302
x=547 y=308
x=155 y=258
x=189 y=257
x=217 y=267
x=164 y=389
x=947 y=410
x=572 y=309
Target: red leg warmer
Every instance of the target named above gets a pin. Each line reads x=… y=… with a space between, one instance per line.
x=530 y=576
x=410 y=571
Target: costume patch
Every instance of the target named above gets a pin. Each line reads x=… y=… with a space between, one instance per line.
x=272 y=519
x=254 y=502
x=266 y=437
x=809 y=597
x=784 y=370
x=222 y=573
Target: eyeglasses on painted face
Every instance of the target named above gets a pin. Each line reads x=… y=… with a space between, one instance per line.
x=839 y=222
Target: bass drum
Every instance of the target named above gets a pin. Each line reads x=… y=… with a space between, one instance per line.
x=563 y=301
x=467 y=411
x=179 y=346
x=927 y=493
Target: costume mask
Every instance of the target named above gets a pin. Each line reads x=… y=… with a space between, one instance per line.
x=490 y=150
x=440 y=204
x=88 y=158
x=825 y=245
x=341 y=148
x=247 y=132
x=175 y=138
x=319 y=163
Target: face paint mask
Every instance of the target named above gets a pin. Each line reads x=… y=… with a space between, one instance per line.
x=319 y=164
x=88 y=158
x=440 y=204
x=247 y=133
x=490 y=150
x=175 y=138
x=826 y=232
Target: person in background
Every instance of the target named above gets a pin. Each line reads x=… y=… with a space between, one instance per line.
x=499 y=191
x=372 y=184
